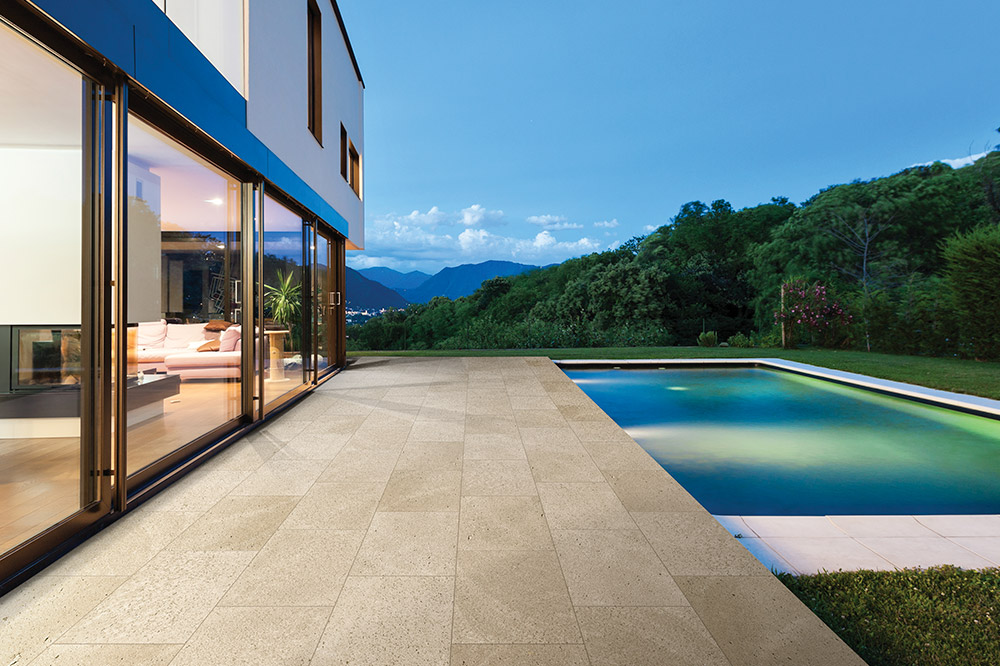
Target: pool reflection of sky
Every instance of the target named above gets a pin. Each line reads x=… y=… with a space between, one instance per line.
x=758 y=442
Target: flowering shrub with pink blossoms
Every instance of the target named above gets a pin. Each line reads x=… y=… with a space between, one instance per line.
x=809 y=309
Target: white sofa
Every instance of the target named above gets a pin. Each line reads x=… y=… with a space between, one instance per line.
x=173 y=348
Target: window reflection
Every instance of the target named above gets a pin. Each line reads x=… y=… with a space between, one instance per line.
x=283 y=276
x=42 y=167
x=183 y=366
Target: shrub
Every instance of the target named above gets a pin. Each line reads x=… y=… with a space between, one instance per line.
x=708 y=339
x=771 y=338
x=973 y=274
x=808 y=308
x=739 y=340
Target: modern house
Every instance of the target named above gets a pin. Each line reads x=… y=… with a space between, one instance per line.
x=179 y=181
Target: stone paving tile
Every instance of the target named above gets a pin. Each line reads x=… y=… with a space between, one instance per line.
x=793 y=526
x=297 y=568
x=421 y=490
x=409 y=544
x=583 y=506
x=503 y=523
x=431 y=456
x=197 y=492
x=648 y=637
x=757 y=621
x=563 y=466
x=493 y=447
x=519 y=655
x=877 y=526
x=285 y=636
x=281 y=477
x=164 y=602
x=814 y=554
x=125 y=546
x=650 y=490
x=38 y=612
x=513 y=596
x=923 y=552
x=620 y=455
x=390 y=620
x=694 y=544
x=336 y=506
x=236 y=523
x=107 y=655
x=962 y=526
x=614 y=568
x=354 y=465
x=986 y=547
x=497 y=477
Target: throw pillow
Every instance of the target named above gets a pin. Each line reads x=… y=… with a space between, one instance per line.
x=217 y=325
x=229 y=338
x=211 y=345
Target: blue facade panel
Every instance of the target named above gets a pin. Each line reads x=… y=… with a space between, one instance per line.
x=139 y=38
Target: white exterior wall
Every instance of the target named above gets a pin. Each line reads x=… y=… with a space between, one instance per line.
x=277 y=100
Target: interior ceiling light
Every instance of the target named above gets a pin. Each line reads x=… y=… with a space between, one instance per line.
x=215 y=202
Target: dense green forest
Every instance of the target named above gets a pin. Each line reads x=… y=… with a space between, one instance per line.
x=908 y=263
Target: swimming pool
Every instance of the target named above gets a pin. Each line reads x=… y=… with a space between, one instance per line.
x=750 y=441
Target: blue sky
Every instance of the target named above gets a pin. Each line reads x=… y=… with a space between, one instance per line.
x=537 y=130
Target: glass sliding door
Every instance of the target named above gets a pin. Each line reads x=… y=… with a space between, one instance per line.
x=182 y=292
x=51 y=451
x=322 y=303
x=284 y=280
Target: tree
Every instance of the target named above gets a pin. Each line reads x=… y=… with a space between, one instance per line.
x=859 y=237
x=973 y=274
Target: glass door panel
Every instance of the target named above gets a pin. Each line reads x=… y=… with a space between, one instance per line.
x=49 y=449
x=182 y=290
x=283 y=275
x=322 y=301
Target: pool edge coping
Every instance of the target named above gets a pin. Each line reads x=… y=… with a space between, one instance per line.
x=962 y=402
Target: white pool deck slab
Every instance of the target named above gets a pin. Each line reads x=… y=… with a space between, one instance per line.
x=426 y=511
x=810 y=544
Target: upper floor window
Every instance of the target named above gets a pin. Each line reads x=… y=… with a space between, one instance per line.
x=350 y=162
x=217 y=28
x=315 y=41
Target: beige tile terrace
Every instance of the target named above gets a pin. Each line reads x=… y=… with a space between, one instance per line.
x=420 y=511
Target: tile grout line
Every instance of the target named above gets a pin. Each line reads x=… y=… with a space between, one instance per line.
x=354 y=559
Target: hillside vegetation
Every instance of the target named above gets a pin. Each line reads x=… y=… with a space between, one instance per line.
x=909 y=263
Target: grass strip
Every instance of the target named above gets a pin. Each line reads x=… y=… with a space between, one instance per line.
x=936 y=617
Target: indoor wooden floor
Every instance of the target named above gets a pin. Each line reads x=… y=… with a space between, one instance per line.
x=40 y=478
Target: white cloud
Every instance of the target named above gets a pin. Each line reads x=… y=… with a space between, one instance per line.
x=607 y=224
x=650 y=227
x=615 y=245
x=553 y=222
x=417 y=241
x=957 y=162
x=475 y=215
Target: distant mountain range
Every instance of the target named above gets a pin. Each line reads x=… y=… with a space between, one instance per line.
x=379 y=288
x=365 y=294
x=458 y=281
x=395 y=279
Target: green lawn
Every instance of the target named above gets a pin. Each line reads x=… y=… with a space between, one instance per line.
x=934 y=617
x=972 y=377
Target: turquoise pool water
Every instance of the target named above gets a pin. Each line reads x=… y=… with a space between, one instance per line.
x=749 y=441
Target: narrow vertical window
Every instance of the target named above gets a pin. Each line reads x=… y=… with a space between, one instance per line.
x=315 y=39
x=343 y=152
x=355 y=170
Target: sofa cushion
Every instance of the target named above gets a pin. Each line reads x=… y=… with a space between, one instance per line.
x=182 y=335
x=217 y=325
x=151 y=333
x=229 y=338
x=210 y=346
x=203 y=360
